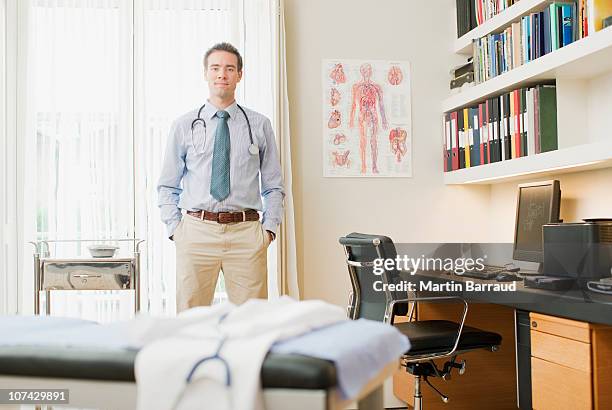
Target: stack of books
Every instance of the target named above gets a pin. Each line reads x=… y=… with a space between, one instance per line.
x=512 y=125
x=533 y=36
x=485 y=9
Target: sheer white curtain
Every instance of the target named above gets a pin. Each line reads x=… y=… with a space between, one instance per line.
x=76 y=104
x=97 y=104
x=4 y=284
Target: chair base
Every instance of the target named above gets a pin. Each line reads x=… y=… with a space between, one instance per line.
x=423 y=370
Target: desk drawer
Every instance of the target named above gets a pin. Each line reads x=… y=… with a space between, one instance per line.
x=570 y=329
x=566 y=352
x=556 y=387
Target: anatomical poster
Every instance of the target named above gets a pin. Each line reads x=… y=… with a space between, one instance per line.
x=366 y=118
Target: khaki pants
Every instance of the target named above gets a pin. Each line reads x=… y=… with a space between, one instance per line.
x=205 y=247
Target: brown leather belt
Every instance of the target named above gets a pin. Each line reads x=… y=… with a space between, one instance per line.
x=226 y=217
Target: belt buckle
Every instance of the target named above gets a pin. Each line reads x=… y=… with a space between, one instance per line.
x=219 y=218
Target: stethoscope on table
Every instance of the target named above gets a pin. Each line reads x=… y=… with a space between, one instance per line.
x=253 y=150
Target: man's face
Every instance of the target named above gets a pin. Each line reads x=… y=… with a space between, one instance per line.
x=222 y=74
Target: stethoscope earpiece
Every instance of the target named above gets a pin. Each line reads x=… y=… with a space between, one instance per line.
x=253 y=149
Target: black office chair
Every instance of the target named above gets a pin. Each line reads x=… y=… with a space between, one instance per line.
x=429 y=339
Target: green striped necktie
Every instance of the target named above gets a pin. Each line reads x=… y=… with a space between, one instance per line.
x=220 y=175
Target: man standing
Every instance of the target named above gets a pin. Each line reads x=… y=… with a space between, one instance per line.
x=214 y=159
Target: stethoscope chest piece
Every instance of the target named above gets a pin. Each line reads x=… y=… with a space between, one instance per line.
x=253 y=150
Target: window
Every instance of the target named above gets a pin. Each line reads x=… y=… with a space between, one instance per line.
x=97 y=103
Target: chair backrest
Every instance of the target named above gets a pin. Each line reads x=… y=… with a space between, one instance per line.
x=361 y=251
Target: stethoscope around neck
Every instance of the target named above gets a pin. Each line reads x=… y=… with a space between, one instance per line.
x=253 y=150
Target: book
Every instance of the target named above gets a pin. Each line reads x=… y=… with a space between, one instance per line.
x=547 y=121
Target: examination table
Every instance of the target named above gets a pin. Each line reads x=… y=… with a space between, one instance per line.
x=104 y=378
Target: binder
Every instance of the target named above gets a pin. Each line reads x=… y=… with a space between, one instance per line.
x=523 y=114
x=500 y=135
x=489 y=132
x=512 y=125
x=482 y=126
x=502 y=127
x=461 y=133
x=536 y=119
x=548 y=118
x=493 y=147
x=498 y=128
x=530 y=123
x=517 y=123
x=466 y=138
x=506 y=123
x=446 y=145
x=455 y=142
x=475 y=137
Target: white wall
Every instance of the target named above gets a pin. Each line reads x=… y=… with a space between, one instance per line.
x=406 y=209
x=583 y=195
x=417 y=209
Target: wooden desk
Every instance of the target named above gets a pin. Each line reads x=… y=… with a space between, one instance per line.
x=566 y=373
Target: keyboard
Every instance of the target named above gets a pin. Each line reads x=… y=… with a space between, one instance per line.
x=489 y=272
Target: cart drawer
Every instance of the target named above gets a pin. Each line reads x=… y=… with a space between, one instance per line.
x=82 y=275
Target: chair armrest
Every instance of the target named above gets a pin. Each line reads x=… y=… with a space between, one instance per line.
x=435 y=299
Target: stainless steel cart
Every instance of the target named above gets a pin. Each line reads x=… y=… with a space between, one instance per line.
x=84 y=273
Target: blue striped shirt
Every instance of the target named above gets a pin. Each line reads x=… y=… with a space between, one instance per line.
x=184 y=182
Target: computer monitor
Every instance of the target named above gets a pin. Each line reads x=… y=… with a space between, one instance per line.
x=537 y=204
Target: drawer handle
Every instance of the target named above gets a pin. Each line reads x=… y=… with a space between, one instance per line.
x=86 y=275
x=534 y=324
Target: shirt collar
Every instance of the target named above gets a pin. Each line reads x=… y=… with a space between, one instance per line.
x=210 y=110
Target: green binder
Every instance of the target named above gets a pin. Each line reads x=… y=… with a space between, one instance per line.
x=548 y=118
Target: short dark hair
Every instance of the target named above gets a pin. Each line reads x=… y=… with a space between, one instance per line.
x=224 y=47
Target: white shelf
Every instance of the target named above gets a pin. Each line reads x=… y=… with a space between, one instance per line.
x=578 y=158
x=584 y=59
x=463 y=45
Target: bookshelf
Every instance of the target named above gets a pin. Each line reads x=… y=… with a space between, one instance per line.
x=495 y=24
x=584 y=59
x=573 y=159
x=582 y=72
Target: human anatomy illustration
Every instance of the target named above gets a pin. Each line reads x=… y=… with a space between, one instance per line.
x=395 y=75
x=341 y=159
x=397 y=140
x=365 y=96
x=334 y=119
x=364 y=103
x=337 y=74
x=334 y=97
x=339 y=139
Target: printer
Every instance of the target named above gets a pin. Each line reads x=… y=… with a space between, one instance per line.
x=581 y=250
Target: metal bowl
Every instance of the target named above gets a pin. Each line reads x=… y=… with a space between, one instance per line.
x=102 y=251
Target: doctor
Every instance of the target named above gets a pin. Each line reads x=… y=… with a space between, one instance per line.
x=218 y=152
